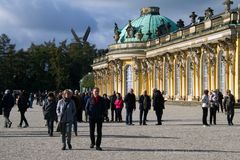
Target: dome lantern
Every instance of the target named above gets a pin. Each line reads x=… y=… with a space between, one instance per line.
x=150 y=10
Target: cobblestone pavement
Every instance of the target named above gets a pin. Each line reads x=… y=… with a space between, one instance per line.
x=181 y=137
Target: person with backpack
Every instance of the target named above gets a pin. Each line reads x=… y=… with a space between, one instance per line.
x=229 y=102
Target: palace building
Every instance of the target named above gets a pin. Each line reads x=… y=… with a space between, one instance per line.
x=152 y=51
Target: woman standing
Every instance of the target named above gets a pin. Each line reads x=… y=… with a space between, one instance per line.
x=213 y=107
x=23 y=104
x=49 y=110
x=205 y=105
x=119 y=105
x=66 y=111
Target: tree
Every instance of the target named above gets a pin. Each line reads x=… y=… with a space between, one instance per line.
x=87 y=81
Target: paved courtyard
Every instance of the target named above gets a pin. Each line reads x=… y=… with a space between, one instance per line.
x=180 y=137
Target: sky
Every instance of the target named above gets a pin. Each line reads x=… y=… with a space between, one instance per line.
x=36 y=21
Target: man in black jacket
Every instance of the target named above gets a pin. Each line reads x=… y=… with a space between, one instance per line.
x=113 y=107
x=229 y=102
x=144 y=107
x=8 y=102
x=130 y=101
x=95 y=109
x=158 y=105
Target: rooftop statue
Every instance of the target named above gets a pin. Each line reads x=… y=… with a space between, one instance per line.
x=116 y=33
x=227 y=4
x=193 y=17
x=208 y=13
x=180 y=23
x=130 y=30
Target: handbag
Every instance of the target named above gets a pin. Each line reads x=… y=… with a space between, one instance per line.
x=60 y=125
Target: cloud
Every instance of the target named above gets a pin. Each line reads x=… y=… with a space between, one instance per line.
x=27 y=21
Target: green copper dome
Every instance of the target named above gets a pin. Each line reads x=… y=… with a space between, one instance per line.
x=150 y=25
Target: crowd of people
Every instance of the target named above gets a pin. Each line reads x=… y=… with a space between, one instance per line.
x=68 y=108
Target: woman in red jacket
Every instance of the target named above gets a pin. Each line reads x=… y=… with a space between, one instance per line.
x=119 y=105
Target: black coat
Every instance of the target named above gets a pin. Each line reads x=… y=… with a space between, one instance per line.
x=141 y=99
x=49 y=110
x=79 y=106
x=112 y=101
x=95 y=110
x=229 y=102
x=130 y=101
x=158 y=101
x=8 y=102
x=107 y=103
x=23 y=104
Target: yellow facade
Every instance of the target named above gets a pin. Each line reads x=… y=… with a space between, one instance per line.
x=182 y=64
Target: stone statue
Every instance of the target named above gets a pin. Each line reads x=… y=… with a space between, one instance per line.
x=180 y=23
x=208 y=13
x=130 y=30
x=193 y=17
x=139 y=35
x=116 y=33
x=227 y=4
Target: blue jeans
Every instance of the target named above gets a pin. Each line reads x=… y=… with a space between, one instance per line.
x=129 y=115
x=66 y=129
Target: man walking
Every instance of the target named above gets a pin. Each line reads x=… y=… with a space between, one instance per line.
x=95 y=109
x=7 y=105
x=130 y=101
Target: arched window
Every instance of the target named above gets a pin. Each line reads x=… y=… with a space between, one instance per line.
x=221 y=72
x=190 y=77
x=177 y=80
x=204 y=72
x=166 y=78
x=129 y=78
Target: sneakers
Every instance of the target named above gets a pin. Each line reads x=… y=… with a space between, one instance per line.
x=206 y=125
